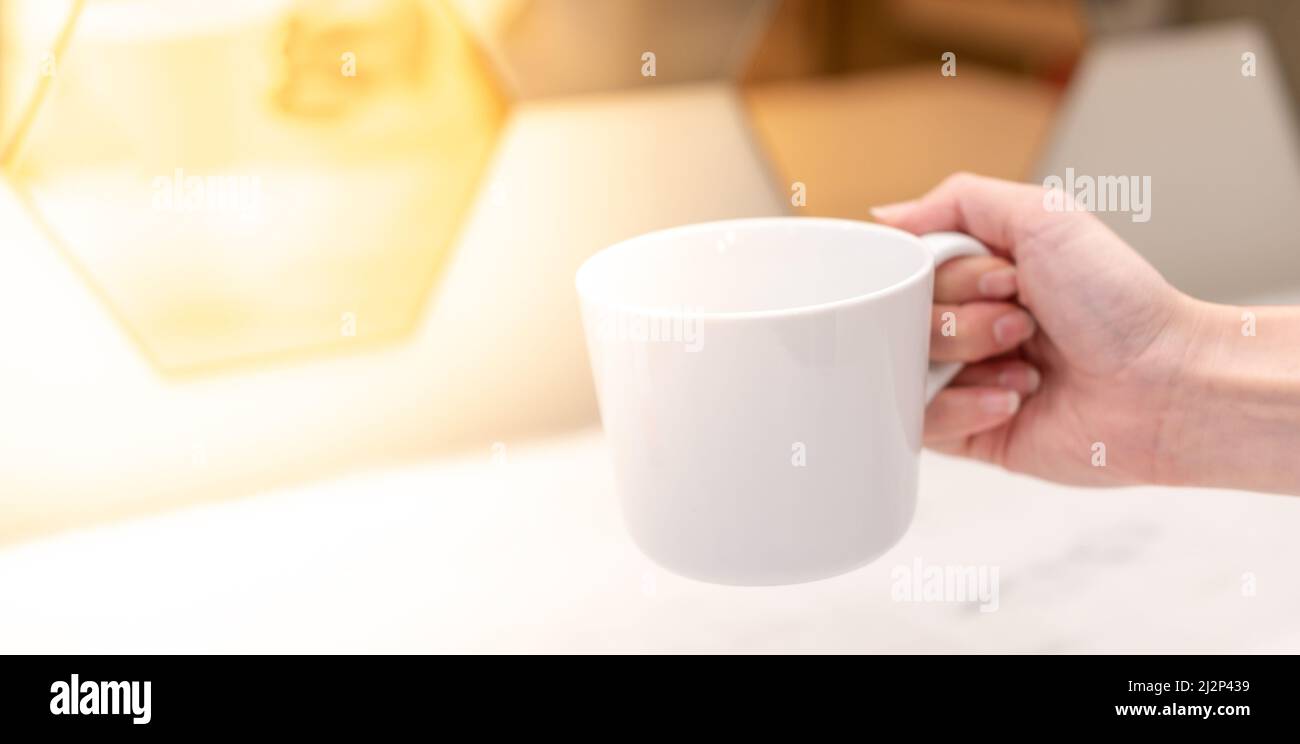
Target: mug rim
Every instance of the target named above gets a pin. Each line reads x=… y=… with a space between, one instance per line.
x=582 y=281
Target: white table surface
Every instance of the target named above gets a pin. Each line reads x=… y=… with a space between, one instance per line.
x=529 y=554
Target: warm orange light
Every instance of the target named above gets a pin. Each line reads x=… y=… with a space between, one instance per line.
x=249 y=178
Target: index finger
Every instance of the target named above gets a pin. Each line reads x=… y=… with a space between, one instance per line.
x=998 y=213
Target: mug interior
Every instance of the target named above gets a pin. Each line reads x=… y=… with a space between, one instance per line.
x=753 y=265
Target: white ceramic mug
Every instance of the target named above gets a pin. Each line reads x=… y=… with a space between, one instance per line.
x=762 y=384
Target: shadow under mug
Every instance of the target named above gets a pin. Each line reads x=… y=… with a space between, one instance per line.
x=762 y=384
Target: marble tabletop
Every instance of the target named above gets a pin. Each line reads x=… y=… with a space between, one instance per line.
x=522 y=550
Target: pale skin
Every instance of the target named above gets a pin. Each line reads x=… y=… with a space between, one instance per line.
x=1072 y=339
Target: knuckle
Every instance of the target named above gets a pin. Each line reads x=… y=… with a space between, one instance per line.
x=960 y=179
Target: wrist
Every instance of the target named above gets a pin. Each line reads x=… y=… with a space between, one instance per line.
x=1236 y=417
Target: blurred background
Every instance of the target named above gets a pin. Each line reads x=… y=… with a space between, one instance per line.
x=325 y=249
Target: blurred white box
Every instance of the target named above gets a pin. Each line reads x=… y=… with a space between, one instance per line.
x=1220 y=147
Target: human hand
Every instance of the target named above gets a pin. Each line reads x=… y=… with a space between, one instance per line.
x=1070 y=338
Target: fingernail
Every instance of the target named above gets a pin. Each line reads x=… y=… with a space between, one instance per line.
x=998 y=283
x=1013 y=328
x=1025 y=380
x=1001 y=402
x=890 y=212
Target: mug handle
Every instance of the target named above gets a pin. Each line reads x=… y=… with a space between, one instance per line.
x=946 y=246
